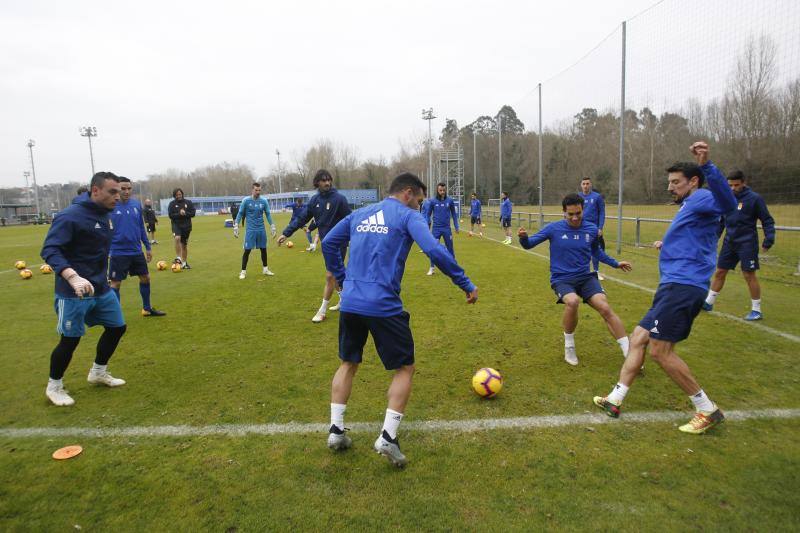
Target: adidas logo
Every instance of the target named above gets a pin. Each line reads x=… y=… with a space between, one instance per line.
x=373 y=224
x=564 y=236
x=97 y=225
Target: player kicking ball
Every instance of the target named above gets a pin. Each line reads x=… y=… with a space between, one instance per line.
x=253 y=209
x=371 y=302
x=686 y=262
x=573 y=244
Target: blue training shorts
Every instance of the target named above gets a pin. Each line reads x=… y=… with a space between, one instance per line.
x=505 y=222
x=730 y=255
x=73 y=313
x=585 y=287
x=121 y=265
x=391 y=334
x=255 y=239
x=674 y=309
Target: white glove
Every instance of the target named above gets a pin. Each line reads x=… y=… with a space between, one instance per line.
x=273 y=230
x=236 y=230
x=82 y=287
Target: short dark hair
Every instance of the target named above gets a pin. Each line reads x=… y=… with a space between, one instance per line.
x=321 y=175
x=407 y=180
x=82 y=189
x=737 y=175
x=256 y=184
x=571 y=199
x=504 y=192
x=100 y=178
x=441 y=184
x=175 y=192
x=689 y=171
x=123 y=179
x=586 y=178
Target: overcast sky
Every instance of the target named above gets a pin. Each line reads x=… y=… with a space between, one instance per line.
x=186 y=84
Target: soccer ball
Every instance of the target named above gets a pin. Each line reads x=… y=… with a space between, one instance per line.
x=176 y=267
x=161 y=265
x=289 y=244
x=25 y=273
x=487 y=382
x=46 y=269
x=19 y=265
x=483 y=225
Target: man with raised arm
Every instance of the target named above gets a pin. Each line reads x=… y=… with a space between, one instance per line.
x=686 y=261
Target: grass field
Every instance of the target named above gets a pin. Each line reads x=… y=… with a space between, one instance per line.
x=245 y=352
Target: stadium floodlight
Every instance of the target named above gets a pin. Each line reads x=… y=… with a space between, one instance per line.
x=89 y=132
x=427 y=114
x=280 y=183
x=31 y=144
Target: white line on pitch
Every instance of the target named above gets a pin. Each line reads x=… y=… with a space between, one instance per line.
x=295 y=428
x=615 y=279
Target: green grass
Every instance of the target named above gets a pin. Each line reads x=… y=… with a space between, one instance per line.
x=234 y=351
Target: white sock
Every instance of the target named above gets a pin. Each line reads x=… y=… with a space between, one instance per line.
x=337 y=414
x=391 y=422
x=702 y=402
x=99 y=369
x=324 y=307
x=55 y=383
x=712 y=297
x=243 y=272
x=617 y=394
x=756 y=305
x=624 y=343
x=569 y=340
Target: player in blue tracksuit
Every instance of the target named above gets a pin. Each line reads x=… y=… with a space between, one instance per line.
x=573 y=243
x=297 y=207
x=594 y=211
x=326 y=208
x=380 y=237
x=441 y=208
x=686 y=262
x=741 y=243
x=126 y=247
x=77 y=247
x=505 y=217
x=253 y=209
x=475 y=214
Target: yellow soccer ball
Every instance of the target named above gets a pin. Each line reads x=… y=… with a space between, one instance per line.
x=25 y=273
x=46 y=269
x=161 y=265
x=289 y=244
x=19 y=265
x=487 y=382
x=176 y=267
x=483 y=225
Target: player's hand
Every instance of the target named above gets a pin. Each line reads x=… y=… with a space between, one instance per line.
x=700 y=152
x=625 y=266
x=183 y=212
x=522 y=233
x=281 y=239
x=82 y=287
x=236 y=230
x=472 y=297
x=658 y=244
x=273 y=230
x=148 y=255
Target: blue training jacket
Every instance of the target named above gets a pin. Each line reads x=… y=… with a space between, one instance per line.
x=571 y=249
x=326 y=209
x=475 y=208
x=505 y=208
x=689 y=250
x=441 y=210
x=380 y=237
x=594 y=208
x=79 y=238
x=127 y=224
x=740 y=225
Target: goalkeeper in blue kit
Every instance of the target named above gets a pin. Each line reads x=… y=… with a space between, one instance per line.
x=253 y=209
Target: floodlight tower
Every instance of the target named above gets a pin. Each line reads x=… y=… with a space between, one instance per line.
x=427 y=114
x=27 y=189
x=500 y=151
x=31 y=144
x=280 y=183
x=89 y=132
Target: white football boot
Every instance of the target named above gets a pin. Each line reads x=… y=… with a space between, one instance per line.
x=570 y=356
x=390 y=450
x=59 y=396
x=242 y=274
x=319 y=317
x=104 y=378
x=267 y=272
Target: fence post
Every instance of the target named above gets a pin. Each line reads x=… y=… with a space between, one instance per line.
x=638 y=226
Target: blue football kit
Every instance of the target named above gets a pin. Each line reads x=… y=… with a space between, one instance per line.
x=438 y=211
